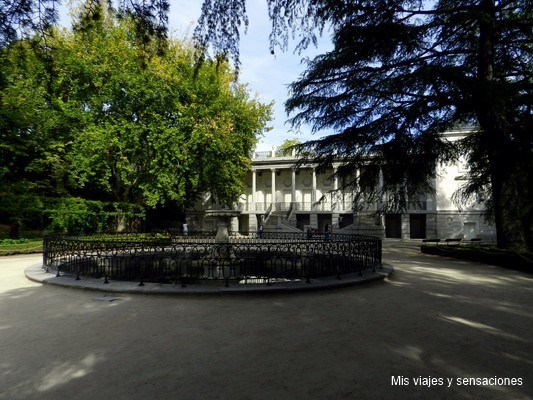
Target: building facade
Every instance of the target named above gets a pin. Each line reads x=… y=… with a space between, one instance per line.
x=282 y=197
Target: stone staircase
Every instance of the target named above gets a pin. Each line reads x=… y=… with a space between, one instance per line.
x=368 y=230
x=277 y=221
x=365 y=224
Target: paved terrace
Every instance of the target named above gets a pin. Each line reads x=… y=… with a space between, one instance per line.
x=433 y=317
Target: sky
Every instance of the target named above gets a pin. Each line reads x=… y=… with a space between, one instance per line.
x=267 y=75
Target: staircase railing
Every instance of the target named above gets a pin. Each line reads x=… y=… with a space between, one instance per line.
x=289 y=212
x=268 y=213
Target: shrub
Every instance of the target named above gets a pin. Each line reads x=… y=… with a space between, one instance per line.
x=485 y=254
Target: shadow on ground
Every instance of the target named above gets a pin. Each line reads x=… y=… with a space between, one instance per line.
x=433 y=317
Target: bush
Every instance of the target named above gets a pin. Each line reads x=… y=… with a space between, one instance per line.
x=20 y=246
x=74 y=215
x=13 y=241
x=26 y=208
x=485 y=254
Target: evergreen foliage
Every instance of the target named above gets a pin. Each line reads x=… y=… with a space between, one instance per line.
x=400 y=74
x=20 y=18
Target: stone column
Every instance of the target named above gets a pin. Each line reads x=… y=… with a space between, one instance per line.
x=293 y=186
x=382 y=199
x=355 y=191
x=273 y=189
x=406 y=226
x=313 y=217
x=335 y=196
x=334 y=200
x=313 y=192
x=254 y=189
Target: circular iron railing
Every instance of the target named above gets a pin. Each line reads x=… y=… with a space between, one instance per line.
x=200 y=259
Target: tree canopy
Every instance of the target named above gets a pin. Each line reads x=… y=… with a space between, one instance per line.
x=401 y=72
x=104 y=116
x=20 y=19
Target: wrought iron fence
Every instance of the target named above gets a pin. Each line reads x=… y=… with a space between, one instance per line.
x=199 y=259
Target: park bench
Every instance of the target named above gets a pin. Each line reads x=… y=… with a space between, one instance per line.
x=474 y=241
x=453 y=241
x=436 y=241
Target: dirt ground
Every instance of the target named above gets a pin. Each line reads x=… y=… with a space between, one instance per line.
x=416 y=335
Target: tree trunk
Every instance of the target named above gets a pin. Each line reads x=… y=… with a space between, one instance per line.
x=121 y=222
x=510 y=228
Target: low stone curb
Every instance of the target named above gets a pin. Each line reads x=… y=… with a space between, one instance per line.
x=37 y=274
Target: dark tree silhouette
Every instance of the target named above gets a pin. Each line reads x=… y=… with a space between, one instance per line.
x=400 y=74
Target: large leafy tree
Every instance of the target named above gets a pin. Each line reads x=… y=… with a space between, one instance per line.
x=400 y=74
x=123 y=121
x=160 y=129
x=34 y=133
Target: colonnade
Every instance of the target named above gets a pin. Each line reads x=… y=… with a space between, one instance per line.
x=273 y=192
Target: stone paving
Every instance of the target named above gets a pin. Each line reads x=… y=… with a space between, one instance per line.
x=420 y=333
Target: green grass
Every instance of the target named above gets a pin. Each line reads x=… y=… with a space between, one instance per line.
x=20 y=246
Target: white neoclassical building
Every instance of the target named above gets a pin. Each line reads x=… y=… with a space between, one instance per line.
x=284 y=198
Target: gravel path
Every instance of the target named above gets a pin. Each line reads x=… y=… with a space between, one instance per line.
x=434 y=322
